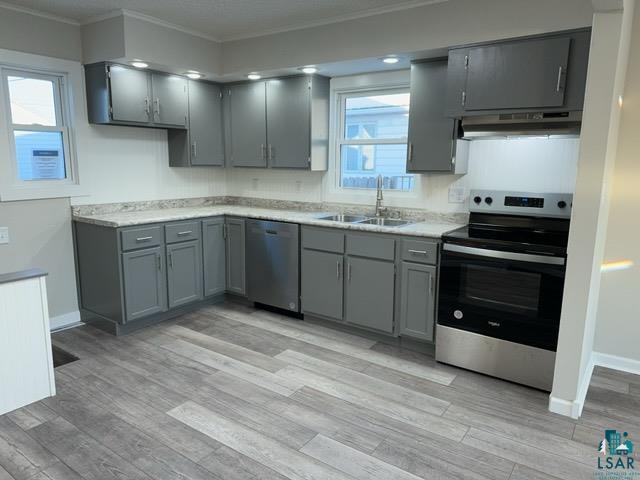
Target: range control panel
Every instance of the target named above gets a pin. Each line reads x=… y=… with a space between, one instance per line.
x=556 y=205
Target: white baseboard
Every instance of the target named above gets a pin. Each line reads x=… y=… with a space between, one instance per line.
x=66 y=320
x=614 y=362
x=574 y=408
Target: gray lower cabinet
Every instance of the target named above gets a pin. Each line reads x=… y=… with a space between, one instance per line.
x=322 y=283
x=145 y=291
x=184 y=273
x=417 y=302
x=370 y=293
x=235 y=242
x=213 y=256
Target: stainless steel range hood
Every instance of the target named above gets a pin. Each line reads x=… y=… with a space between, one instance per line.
x=526 y=124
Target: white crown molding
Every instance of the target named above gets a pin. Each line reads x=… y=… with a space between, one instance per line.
x=150 y=19
x=339 y=19
x=38 y=13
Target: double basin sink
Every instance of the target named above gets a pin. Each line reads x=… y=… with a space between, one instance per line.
x=364 y=220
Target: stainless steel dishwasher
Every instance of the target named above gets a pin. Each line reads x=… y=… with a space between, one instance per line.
x=273 y=264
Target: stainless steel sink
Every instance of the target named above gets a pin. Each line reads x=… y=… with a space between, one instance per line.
x=385 y=222
x=344 y=218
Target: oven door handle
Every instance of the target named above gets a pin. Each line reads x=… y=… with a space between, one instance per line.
x=521 y=257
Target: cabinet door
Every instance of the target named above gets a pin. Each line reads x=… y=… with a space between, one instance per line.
x=417 y=307
x=169 y=99
x=289 y=122
x=526 y=74
x=235 y=256
x=213 y=256
x=248 y=125
x=145 y=289
x=370 y=293
x=205 y=124
x=322 y=283
x=431 y=133
x=184 y=273
x=129 y=90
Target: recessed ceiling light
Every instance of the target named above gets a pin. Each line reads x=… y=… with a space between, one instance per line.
x=194 y=75
x=390 y=60
x=254 y=76
x=309 y=70
x=139 y=64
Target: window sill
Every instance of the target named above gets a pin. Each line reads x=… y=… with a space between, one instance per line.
x=15 y=193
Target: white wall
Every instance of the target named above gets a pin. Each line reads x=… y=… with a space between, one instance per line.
x=608 y=59
x=124 y=164
x=618 y=320
x=435 y=26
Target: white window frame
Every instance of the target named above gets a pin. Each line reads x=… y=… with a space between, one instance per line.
x=70 y=113
x=342 y=141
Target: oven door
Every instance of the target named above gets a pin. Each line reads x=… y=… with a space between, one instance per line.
x=508 y=295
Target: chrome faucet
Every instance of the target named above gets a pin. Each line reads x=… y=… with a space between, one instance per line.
x=379 y=208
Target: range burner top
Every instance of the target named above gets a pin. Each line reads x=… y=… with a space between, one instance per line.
x=516 y=221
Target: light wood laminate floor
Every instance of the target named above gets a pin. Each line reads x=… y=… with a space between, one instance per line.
x=234 y=393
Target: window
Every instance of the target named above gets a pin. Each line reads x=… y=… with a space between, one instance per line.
x=372 y=139
x=38 y=127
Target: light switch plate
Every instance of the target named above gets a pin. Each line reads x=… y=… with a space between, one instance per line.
x=4 y=235
x=457 y=194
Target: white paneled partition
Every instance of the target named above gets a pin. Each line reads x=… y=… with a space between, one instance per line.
x=26 y=363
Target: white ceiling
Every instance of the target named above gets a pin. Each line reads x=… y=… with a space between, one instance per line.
x=224 y=19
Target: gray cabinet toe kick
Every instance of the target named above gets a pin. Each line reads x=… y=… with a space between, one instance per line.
x=131 y=277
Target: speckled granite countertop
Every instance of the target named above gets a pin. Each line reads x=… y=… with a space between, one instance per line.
x=428 y=228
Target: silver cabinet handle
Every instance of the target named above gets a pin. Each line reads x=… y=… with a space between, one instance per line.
x=170 y=257
x=159 y=261
x=559 y=78
x=224 y=230
x=410 y=155
x=494 y=324
x=146 y=106
x=418 y=252
x=186 y=232
x=338 y=269
x=349 y=273
x=143 y=239
x=431 y=284
x=262 y=152
x=194 y=149
x=157 y=106
x=270 y=153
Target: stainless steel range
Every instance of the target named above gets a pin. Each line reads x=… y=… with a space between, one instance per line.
x=501 y=284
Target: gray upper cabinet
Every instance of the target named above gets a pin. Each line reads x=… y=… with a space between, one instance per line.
x=417 y=302
x=248 y=124
x=288 y=126
x=433 y=137
x=203 y=143
x=144 y=283
x=322 y=283
x=129 y=94
x=169 y=99
x=121 y=95
x=235 y=241
x=184 y=273
x=542 y=73
x=280 y=123
x=370 y=293
x=213 y=249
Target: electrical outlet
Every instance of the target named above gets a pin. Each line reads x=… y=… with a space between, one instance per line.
x=4 y=235
x=457 y=194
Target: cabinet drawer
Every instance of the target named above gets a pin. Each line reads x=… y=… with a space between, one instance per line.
x=323 y=239
x=420 y=251
x=183 y=231
x=371 y=246
x=142 y=237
